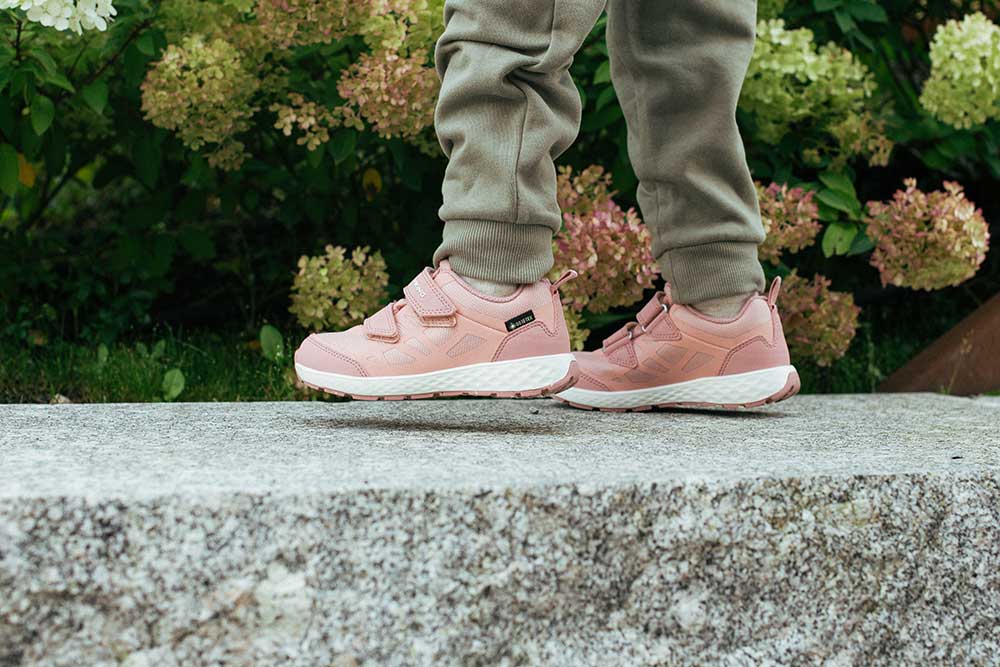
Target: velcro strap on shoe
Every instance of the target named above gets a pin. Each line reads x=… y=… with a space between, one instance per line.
x=618 y=349
x=650 y=312
x=615 y=339
x=431 y=305
x=382 y=325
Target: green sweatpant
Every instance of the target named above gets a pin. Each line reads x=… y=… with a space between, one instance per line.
x=508 y=108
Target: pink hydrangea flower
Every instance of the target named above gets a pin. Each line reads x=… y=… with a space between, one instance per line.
x=927 y=240
x=393 y=94
x=609 y=248
x=790 y=218
x=819 y=323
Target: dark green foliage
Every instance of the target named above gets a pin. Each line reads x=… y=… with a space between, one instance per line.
x=123 y=229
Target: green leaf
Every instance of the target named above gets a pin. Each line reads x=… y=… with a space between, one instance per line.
x=342 y=144
x=31 y=142
x=606 y=97
x=603 y=73
x=9 y=169
x=158 y=350
x=845 y=21
x=993 y=162
x=197 y=242
x=838 y=237
x=314 y=157
x=96 y=96
x=862 y=243
x=145 y=44
x=43 y=111
x=868 y=11
x=55 y=151
x=935 y=160
x=135 y=66
x=102 y=354
x=59 y=79
x=601 y=119
x=838 y=182
x=146 y=158
x=173 y=384
x=272 y=345
x=841 y=202
x=47 y=61
x=198 y=174
x=863 y=38
x=826 y=5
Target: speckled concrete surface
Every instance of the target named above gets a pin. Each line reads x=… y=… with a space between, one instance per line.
x=827 y=530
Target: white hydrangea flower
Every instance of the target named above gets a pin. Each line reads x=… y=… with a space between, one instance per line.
x=964 y=86
x=76 y=15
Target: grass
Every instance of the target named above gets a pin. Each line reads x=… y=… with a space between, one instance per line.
x=214 y=368
x=232 y=368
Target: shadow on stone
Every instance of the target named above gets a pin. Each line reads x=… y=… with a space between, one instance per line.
x=427 y=426
x=708 y=412
x=718 y=412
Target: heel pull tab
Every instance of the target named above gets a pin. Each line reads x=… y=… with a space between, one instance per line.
x=564 y=278
x=772 y=294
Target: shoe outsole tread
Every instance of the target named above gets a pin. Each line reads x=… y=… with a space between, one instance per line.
x=790 y=389
x=562 y=385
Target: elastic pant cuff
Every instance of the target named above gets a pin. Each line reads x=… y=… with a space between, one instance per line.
x=500 y=252
x=712 y=270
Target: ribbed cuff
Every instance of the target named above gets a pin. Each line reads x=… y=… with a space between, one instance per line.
x=710 y=271
x=500 y=252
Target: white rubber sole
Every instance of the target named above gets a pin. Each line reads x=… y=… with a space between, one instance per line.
x=741 y=390
x=531 y=376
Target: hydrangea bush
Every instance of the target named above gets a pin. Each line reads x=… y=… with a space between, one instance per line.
x=390 y=90
x=203 y=90
x=819 y=323
x=609 y=248
x=336 y=291
x=75 y=15
x=823 y=93
x=770 y=9
x=964 y=87
x=187 y=143
x=927 y=241
x=392 y=94
x=790 y=217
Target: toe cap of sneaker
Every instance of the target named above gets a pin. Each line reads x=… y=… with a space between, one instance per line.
x=319 y=352
x=591 y=364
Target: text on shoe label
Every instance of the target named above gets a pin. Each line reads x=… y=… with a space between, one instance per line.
x=520 y=320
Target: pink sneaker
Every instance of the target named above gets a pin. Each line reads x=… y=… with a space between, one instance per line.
x=447 y=339
x=675 y=356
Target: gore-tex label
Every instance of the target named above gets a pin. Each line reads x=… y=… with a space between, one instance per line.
x=520 y=320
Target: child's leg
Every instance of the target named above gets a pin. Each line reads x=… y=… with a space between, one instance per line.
x=507 y=109
x=678 y=68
